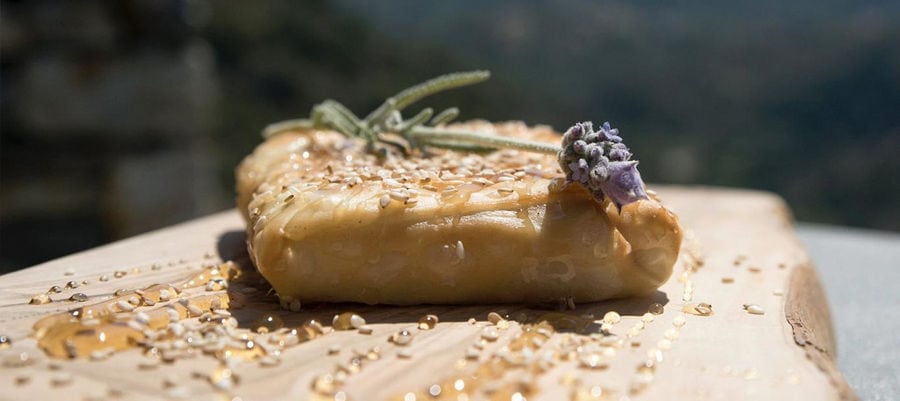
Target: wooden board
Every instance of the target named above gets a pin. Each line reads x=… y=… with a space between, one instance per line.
x=743 y=242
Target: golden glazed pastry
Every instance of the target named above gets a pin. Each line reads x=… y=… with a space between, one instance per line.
x=327 y=221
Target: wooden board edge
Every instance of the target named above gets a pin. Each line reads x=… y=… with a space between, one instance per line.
x=806 y=310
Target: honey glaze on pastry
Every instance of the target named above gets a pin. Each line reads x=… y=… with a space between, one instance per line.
x=329 y=221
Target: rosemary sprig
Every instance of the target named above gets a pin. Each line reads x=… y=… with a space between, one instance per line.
x=422 y=130
x=597 y=160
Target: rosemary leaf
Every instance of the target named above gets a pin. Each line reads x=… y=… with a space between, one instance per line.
x=425 y=135
x=415 y=93
x=460 y=146
x=445 y=116
x=418 y=119
x=345 y=112
x=328 y=117
x=439 y=84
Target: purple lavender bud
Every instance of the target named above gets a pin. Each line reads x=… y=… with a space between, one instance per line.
x=579 y=146
x=576 y=132
x=587 y=126
x=579 y=170
x=609 y=133
x=619 y=152
x=585 y=162
x=574 y=171
x=624 y=185
x=583 y=169
x=599 y=174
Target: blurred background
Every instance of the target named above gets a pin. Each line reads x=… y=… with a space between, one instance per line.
x=119 y=117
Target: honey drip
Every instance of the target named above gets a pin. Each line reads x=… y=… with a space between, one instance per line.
x=120 y=322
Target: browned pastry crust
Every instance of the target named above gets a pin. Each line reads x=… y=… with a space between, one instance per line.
x=330 y=222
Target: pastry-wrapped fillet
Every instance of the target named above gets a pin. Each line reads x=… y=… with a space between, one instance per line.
x=329 y=222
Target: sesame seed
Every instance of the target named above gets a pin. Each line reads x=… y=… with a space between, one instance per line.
x=634 y=331
x=428 y=322
x=754 y=309
x=700 y=309
x=216 y=284
x=402 y=337
x=142 y=318
x=124 y=306
x=194 y=310
x=347 y=321
x=269 y=361
x=612 y=317
x=655 y=355
x=671 y=334
x=101 y=354
x=365 y=329
x=398 y=196
x=494 y=318
x=592 y=361
x=384 y=201
x=704 y=309
x=490 y=334
x=222 y=378
x=334 y=349
x=39 y=299
x=61 y=379
x=727 y=280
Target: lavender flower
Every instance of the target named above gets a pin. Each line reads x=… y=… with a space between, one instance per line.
x=599 y=161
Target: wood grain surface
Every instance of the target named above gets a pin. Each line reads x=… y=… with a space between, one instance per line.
x=741 y=249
